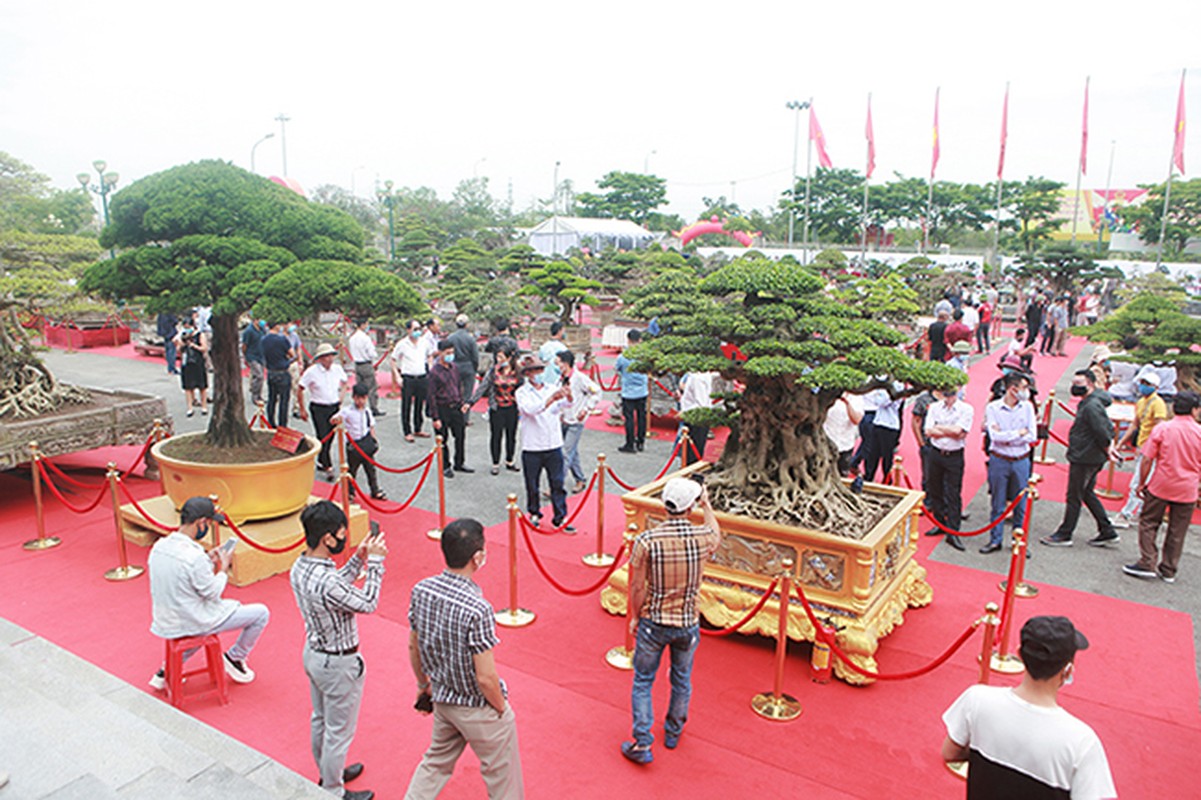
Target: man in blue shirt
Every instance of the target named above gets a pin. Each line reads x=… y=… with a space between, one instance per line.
x=166 y=328
x=277 y=358
x=635 y=388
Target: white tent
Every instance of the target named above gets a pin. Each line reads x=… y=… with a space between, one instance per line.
x=559 y=234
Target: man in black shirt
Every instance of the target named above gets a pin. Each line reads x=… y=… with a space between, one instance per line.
x=277 y=357
x=938 y=337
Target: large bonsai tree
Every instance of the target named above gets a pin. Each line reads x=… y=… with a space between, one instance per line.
x=211 y=234
x=799 y=350
x=1153 y=328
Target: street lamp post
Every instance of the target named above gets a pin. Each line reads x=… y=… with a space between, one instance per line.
x=108 y=182
x=798 y=106
x=646 y=162
x=388 y=198
x=283 y=121
x=255 y=147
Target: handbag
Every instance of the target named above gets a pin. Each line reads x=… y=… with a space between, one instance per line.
x=368 y=444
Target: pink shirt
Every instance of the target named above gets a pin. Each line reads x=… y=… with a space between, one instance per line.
x=1176 y=448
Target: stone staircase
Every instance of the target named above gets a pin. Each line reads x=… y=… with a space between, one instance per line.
x=70 y=731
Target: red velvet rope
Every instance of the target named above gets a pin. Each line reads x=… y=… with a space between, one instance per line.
x=333 y=490
x=1008 y=509
x=1065 y=408
x=1055 y=436
x=671 y=459
x=570 y=517
x=380 y=360
x=758 y=607
x=695 y=452
x=252 y=543
x=129 y=496
x=882 y=676
x=79 y=484
x=665 y=390
x=393 y=470
x=54 y=490
x=595 y=374
x=529 y=543
x=330 y=434
x=402 y=506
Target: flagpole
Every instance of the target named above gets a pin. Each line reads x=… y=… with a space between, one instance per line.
x=1113 y=145
x=930 y=189
x=1076 y=204
x=863 y=240
x=1080 y=161
x=867 y=176
x=1163 y=222
x=996 y=234
x=808 y=176
x=1177 y=150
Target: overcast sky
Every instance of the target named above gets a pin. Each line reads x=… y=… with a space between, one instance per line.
x=429 y=93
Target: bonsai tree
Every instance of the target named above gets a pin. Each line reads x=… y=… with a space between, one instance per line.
x=561 y=287
x=800 y=349
x=1064 y=266
x=212 y=234
x=1153 y=328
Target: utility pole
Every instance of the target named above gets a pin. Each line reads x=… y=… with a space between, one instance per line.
x=283 y=139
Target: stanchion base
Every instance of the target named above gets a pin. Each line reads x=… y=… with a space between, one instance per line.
x=123 y=573
x=780 y=709
x=598 y=559
x=620 y=658
x=957 y=768
x=1038 y=460
x=1007 y=664
x=1108 y=494
x=434 y=533
x=515 y=618
x=1023 y=589
x=42 y=544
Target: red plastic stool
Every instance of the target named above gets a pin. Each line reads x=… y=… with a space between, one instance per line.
x=215 y=667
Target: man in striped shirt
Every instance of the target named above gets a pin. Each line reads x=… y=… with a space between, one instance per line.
x=452 y=633
x=328 y=601
x=666 y=565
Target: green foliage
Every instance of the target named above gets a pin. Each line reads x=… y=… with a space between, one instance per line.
x=1184 y=214
x=1063 y=265
x=561 y=286
x=1153 y=283
x=627 y=195
x=1031 y=203
x=884 y=298
x=1150 y=328
x=41 y=270
x=356 y=290
x=830 y=259
x=29 y=204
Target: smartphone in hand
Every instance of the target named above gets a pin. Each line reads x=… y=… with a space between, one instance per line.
x=227 y=547
x=373 y=529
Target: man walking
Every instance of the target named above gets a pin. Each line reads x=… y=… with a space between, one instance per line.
x=467 y=360
x=1167 y=483
x=666 y=564
x=1059 y=321
x=1090 y=445
x=1149 y=411
x=329 y=600
x=1012 y=431
x=445 y=406
x=937 y=334
x=326 y=384
x=1019 y=742
x=166 y=327
x=635 y=389
x=277 y=358
x=585 y=394
x=411 y=356
x=541 y=408
x=185 y=592
x=452 y=633
x=364 y=355
x=252 y=351
x=947 y=425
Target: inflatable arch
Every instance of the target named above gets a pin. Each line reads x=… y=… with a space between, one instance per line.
x=713 y=225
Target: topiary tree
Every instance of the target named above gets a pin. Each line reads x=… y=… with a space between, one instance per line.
x=1153 y=328
x=802 y=349
x=561 y=287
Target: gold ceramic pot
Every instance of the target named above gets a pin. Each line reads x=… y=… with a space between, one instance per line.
x=263 y=490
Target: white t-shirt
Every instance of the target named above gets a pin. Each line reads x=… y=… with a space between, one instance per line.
x=838 y=425
x=1024 y=750
x=324 y=385
x=971 y=317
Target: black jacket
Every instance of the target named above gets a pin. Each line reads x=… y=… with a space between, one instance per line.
x=1092 y=432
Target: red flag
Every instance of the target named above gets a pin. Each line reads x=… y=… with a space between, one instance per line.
x=934 y=155
x=1004 y=133
x=1084 y=134
x=815 y=136
x=1178 y=145
x=871 y=140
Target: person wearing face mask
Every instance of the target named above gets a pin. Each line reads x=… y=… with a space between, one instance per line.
x=1012 y=431
x=1090 y=445
x=328 y=601
x=185 y=592
x=1018 y=741
x=411 y=358
x=452 y=636
x=541 y=407
x=1149 y=411
x=947 y=425
x=446 y=407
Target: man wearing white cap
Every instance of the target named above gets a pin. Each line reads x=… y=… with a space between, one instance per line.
x=1149 y=411
x=666 y=564
x=326 y=384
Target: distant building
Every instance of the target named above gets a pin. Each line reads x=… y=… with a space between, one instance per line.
x=557 y=235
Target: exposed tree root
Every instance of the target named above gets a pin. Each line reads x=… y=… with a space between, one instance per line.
x=27 y=388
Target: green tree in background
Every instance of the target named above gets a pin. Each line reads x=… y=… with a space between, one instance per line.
x=627 y=195
x=562 y=288
x=30 y=204
x=1031 y=204
x=1063 y=265
x=1184 y=215
x=1153 y=328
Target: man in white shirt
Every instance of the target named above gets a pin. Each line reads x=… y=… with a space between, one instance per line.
x=359 y=424
x=1018 y=741
x=541 y=407
x=412 y=356
x=326 y=383
x=696 y=391
x=947 y=425
x=1012 y=431
x=842 y=427
x=185 y=592
x=585 y=394
x=364 y=355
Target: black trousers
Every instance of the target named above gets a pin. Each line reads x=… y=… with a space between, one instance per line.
x=321 y=414
x=944 y=486
x=699 y=436
x=412 y=402
x=502 y=422
x=1082 y=485
x=865 y=438
x=882 y=446
x=453 y=424
x=279 y=389
x=534 y=462
x=354 y=460
x=634 y=412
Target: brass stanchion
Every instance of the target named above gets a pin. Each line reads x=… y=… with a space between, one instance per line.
x=216 y=520
x=344 y=470
x=1021 y=588
x=513 y=616
x=990 y=635
x=436 y=533
x=600 y=558
x=622 y=656
x=43 y=542
x=1109 y=493
x=898 y=472
x=778 y=706
x=1041 y=458
x=260 y=416
x=1003 y=661
x=125 y=571
x=684 y=440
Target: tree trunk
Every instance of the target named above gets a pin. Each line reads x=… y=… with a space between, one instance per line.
x=779 y=465
x=227 y=427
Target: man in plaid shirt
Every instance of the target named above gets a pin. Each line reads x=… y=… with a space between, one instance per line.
x=452 y=633
x=666 y=565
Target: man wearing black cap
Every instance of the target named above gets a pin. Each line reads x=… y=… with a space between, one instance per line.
x=1018 y=741
x=185 y=592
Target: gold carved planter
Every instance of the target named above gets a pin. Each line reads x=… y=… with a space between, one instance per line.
x=263 y=490
x=862 y=587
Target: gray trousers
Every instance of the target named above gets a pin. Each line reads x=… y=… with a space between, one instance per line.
x=257 y=374
x=336 y=686
x=493 y=739
x=466 y=387
x=365 y=374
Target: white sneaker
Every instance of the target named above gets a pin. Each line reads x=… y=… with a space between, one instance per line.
x=237 y=670
x=1121 y=521
x=158 y=681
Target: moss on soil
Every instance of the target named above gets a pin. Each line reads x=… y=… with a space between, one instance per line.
x=195 y=448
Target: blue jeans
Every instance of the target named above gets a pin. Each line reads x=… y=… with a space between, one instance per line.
x=571 y=451
x=169 y=356
x=648 y=650
x=1005 y=480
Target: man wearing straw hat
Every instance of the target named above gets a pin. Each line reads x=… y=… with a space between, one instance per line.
x=325 y=382
x=666 y=564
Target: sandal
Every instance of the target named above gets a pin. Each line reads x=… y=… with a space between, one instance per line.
x=495 y=470
x=511 y=467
